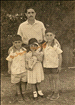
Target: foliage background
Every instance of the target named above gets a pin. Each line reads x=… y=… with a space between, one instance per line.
x=59 y=15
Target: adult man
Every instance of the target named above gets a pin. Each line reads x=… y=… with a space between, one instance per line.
x=31 y=28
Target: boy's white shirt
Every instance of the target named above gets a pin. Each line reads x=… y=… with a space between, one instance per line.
x=51 y=56
x=18 y=62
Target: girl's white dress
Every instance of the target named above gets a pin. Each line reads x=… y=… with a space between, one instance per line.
x=37 y=74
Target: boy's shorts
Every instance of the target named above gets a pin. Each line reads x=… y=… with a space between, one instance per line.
x=51 y=70
x=16 y=78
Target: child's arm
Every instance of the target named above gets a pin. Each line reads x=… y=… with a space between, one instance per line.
x=27 y=59
x=59 y=62
x=26 y=64
x=9 y=59
x=9 y=67
x=40 y=56
x=33 y=60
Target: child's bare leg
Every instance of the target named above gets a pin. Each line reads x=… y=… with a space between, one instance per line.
x=39 y=89
x=56 y=79
x=38 y=86
x=19 y=91
x=18 y=88
x=51 y=81
x=23 y=87
x=34 y=90
x=34 y=87
x=56 y=87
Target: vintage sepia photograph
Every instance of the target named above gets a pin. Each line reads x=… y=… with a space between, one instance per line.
x=38 y=52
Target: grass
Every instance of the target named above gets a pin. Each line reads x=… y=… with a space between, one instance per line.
x=67 y=90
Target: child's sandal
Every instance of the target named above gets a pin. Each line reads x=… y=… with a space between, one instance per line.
x=40 y=93
x=35 y=94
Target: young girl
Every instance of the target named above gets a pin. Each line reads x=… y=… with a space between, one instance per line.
x=34 y=66
x=16 y=66
x=52 y=63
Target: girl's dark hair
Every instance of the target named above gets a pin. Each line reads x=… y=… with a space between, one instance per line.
x=16 y=38
x=32 y=40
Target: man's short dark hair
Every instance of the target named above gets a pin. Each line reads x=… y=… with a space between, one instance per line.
x=29 y=7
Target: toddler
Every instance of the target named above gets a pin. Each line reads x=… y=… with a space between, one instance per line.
x=34 y=66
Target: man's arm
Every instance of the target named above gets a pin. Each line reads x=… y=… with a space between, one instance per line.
x=19 y=32
x=43 y=31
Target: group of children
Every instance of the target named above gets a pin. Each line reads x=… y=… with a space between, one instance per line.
x=30 y=66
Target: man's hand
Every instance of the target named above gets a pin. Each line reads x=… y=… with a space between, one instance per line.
x=59 y=68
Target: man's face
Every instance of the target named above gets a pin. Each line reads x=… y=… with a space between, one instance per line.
x=30 y=14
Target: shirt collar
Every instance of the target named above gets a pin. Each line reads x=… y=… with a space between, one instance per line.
x=34 y=22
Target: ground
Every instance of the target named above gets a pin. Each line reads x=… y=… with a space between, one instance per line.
x=67 y=90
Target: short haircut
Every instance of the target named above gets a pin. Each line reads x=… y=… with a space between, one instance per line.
x=16 y=38
x=51 y=31
x=29 y=7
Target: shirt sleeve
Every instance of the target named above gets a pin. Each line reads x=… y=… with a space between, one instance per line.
x=10 y=57
x=58 y=50
x=10 y=49
x=57 y=47
x=58 y=44
x=43 y=30
x=19 y=32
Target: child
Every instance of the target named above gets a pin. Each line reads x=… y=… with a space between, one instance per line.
x=34 y=66
x=52 y=63
x=16 y=66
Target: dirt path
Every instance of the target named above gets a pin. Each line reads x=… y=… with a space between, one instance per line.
x=67 y=91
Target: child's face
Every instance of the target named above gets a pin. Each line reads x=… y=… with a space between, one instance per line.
x=17 y=44
x=33 y=47
x=50 y=36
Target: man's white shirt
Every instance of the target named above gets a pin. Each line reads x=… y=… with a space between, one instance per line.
x=28 y=31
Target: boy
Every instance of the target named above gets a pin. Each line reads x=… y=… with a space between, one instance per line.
x=16 y=66
x=52 y=63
